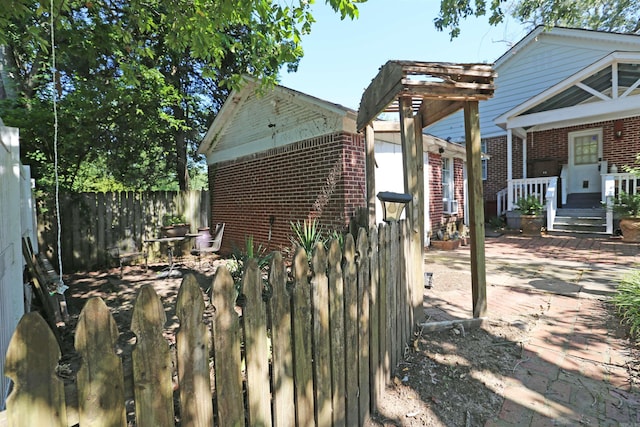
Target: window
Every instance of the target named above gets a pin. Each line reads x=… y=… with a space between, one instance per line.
x=483 y=149
x=585 y=149
x=449 y=204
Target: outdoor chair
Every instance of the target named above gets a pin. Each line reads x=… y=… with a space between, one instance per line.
x=211 y=245
x=127 y=251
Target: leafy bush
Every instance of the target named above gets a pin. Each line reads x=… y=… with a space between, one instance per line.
x=239 y=258
x=529 y=205
x=627 y=301
x=627 y=205
x=170 y=219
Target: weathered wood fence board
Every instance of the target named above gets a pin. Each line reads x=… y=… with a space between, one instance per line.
x=91 y=223
x=314 y=350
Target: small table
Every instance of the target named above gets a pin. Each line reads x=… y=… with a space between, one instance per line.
x=170 y=241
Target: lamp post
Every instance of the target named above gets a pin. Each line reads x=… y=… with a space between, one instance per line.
x=393 y=204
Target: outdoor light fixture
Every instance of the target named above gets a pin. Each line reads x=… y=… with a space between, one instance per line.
x=618 y=126
x=393 y=204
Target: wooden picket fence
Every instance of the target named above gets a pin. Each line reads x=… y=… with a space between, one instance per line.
x=314 y=346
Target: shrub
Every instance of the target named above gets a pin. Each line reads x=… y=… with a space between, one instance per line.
x=627 y=301
x=239 y=258
x=306 y=235
x=529 y=205
x=627 y=205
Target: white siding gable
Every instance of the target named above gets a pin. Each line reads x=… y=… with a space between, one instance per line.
x=259 y=122
x=543 y=60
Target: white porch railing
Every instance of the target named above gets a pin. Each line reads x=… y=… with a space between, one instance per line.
x=501 y=202
x=612 y=185
x=517 y=188
x=551 y=201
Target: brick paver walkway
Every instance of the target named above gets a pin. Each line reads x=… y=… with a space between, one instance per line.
x=574 y=368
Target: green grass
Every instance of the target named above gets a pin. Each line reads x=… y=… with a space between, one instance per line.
x=627 y=302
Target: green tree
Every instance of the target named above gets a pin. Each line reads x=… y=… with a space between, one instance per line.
x=603 y=15
x=137 y=82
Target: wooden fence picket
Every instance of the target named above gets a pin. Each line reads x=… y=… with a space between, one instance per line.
x=100 y=380
x=256 y=347
x=375 y=375
x=302 y=329
x=351 y=329
x=282 y=355
x=321 y=336
x=336 y=321
x=153 y=388
x=192 y=344
x=314 y=351
x=226 y=344
x=362 y=263
x=38 y=395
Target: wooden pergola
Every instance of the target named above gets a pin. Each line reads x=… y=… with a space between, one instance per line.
x=423 y=93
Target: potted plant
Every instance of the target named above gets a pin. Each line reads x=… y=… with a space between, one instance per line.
x=174 y=226
x=627 y=208
x=531 y=219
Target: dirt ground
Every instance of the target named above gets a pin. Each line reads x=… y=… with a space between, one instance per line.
x=448 y=378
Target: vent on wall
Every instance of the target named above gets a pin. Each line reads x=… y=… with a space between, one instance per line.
x=585 y=184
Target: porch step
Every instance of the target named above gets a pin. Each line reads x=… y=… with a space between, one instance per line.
x=582 y=221
x=583 y=201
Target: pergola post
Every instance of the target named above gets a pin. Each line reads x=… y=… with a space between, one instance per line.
x=412 y=158
x=476 y=208
x=370 y=171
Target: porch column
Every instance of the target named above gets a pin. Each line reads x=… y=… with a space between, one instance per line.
x=370 y=171
x=524 y=157
x=510 y=200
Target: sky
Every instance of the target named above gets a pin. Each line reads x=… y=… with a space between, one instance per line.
x=342 y=57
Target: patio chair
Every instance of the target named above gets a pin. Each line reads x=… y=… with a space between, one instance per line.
x=126 y=251
x=208 y=246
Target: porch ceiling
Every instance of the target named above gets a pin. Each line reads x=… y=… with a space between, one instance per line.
x=436 y=89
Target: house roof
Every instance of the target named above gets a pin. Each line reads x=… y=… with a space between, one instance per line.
x=607 y=89
x=255 y=119
x=542 y=59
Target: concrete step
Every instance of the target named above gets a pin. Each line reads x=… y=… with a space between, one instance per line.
x=582 y=221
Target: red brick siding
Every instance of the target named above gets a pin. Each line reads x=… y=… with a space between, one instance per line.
x=554 y=143
x=437 y=218
x=318 y=178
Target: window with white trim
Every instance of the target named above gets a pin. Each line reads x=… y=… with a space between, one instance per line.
x=449 y=204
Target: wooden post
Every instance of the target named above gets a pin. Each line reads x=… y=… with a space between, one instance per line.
x=412 y=155
x=370 y=170
x=476 y=208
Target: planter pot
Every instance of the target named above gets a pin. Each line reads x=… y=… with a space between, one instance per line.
x=445 y=245
x=177 y=230
x=531 y=225
x=630 y=229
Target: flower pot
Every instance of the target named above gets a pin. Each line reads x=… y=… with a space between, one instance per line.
x=630 y=229
x=445 y=245
x=176 y=230
x=531 y=225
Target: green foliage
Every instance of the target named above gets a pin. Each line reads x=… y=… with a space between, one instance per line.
x=529 y=205
x=627 y=301
x=306 y=235
x=170 y=219
x=137 y=83
x=602 y=15
x=496 y=222
x=627 y=205
x=239 y=258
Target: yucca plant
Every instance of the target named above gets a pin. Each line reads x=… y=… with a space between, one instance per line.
x=306 y=235
x=627 y=301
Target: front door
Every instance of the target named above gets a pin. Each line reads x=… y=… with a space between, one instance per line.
x=585 y=152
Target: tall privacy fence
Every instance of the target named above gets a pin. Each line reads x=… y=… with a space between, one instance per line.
x=93 y=222
x=313 y=346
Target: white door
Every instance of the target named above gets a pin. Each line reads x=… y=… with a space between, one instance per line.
x=585 y=152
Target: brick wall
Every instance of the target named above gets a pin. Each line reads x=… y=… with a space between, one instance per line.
x=320 y=178
x=437 y=218
x=619 y=151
